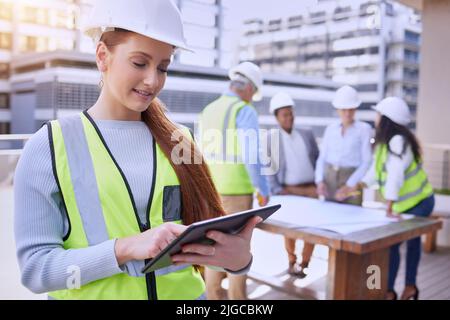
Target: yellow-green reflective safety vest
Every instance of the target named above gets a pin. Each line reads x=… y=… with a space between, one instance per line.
x=100 y=206
x=415 y=187
x=221 y=147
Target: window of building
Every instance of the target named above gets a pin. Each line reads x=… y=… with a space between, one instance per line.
x=410 y=92
x=342 y=13
x=42 y=16
x=368 y=8
x=274 y=25
x=60 y=44
x=4 y=70
x=389 y=9
x=28 y=15
x=295 y=22
x=5 y=41
x=412 y=37
x=318 y=17
x=258 y=22
x=4 y=101
x=318 y=14
x=412 y=56
x=411 y=74
x=5 y=128
x=355 y=52
x=27 y=44
x=65 y=19
x=6 y=11
x=33 y=44
x=368 y=87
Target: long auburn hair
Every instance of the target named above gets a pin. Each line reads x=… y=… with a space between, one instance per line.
x=200 y=199
x=387 y=129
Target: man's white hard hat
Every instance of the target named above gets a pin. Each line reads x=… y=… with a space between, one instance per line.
x=156 y=19
x=280 y=100
x=250 y=71
x=395 y=109
x=346 y=97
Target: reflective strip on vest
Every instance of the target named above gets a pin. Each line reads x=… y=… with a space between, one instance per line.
x=225 y=126
x=414 y=193
x=415 y=188
x=408 y=174
x=414 y=172
x=84 y=180
x=226 y=162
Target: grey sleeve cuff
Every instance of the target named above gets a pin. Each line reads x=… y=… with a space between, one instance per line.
x=133 y=268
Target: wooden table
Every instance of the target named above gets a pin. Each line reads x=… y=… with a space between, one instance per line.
x=351 y=255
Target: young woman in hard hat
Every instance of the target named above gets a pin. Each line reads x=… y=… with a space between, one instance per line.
x=99 y=193
x=345 y=152
x=397 y=168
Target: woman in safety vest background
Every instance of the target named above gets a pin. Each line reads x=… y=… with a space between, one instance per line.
x=99 y=193
x=397 y=168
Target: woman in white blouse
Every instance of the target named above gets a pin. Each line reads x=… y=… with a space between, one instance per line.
x=345 y=152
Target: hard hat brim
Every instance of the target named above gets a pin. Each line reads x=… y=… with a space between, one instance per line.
x=273 y=110
x=390 y=117
x=95 y=33
x=342 y=107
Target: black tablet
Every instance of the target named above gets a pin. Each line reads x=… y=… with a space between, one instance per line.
x=196 y=233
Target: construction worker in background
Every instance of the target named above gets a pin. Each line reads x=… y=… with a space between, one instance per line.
x=99 y=193
x=345 y=152
x=233 y=158
x=296 y=154
x=397 y=169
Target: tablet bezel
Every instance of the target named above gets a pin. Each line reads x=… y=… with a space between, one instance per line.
x=199 y=229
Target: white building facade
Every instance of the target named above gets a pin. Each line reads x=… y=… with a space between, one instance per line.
x=371 y=45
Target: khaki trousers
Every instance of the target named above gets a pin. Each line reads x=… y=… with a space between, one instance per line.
x=237 y=283
x=336 y=178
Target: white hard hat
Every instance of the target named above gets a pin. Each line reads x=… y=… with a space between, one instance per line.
x=395 y=109
x=346 y=97
x=280 y=100
x=156 y=19
x=252 y=72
